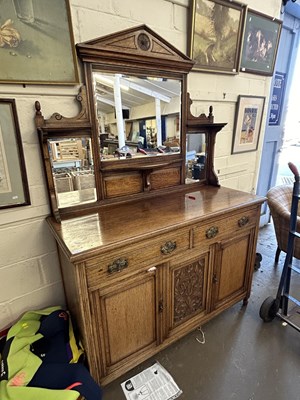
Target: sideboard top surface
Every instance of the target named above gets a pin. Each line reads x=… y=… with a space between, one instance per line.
x=124 y=224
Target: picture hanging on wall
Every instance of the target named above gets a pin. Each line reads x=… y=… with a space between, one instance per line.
x=216 y=30
x=13 y=179
x=260 y=45
x=248 y=117
x=36 y=42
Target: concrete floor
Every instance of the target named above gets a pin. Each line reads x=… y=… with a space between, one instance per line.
x=243 y=358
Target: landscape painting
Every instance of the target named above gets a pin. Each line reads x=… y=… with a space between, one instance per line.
x=216 y=33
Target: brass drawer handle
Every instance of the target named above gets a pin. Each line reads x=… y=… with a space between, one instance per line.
x=243 y=221
x=168 y=247
x=117 y=265
x=212 y=232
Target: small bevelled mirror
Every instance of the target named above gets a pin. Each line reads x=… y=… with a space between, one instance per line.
x=73 y=170
x=195 y=157
x=69 y=159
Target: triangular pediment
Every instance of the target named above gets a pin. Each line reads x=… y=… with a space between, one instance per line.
x=140 y=41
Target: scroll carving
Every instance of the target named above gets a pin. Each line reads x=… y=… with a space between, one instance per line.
x=82 y=117
x=188 y=290
x=202 y=118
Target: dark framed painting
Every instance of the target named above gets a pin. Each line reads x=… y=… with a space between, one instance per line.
x=13 y=178
x=247 y=125
x=36 y=43
x=216 y=31
x=260 y=44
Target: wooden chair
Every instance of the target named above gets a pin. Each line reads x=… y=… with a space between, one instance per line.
x=279 y=202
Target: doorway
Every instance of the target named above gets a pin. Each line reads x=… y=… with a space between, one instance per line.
x=290 y=150
x=276 y=147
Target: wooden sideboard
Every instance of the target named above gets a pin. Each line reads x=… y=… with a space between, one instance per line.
x=151 y=251
x=142 y=275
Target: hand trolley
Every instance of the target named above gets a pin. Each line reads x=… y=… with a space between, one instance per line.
x=271 y=307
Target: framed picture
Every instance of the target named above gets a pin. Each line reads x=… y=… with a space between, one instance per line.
x=216 y=30
x=247 y=125
x=261 y=39
x=13 y=179
x=36 y=43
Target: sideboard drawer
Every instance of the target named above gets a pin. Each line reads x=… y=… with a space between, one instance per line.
x=170 y=244
x=127 y=260
x=219 y=228
x=114 y=264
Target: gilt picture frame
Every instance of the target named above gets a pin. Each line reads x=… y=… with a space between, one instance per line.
x=36 y=43
x=247 y=125
x=215 y=38
x=260 y=43
x=14 y=189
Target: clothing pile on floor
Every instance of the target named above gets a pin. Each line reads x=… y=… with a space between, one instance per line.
x=41 y=359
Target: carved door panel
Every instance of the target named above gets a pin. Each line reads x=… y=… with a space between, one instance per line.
x=128 y=319
x=233 y=267
x=188 y=289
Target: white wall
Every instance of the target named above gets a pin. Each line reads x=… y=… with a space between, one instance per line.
x=29 y=268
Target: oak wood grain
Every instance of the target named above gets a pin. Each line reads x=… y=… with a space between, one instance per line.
x=121 y=225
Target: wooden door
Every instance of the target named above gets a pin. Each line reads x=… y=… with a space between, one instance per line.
x=234 y=261
x=276 y=114
x=188 y=294
x=128 y=313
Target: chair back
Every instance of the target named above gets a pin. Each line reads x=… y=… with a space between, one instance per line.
x=279 y=201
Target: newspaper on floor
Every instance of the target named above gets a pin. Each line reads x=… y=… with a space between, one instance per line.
x=154 y=383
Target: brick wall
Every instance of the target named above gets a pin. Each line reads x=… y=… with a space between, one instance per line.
x=29 y=268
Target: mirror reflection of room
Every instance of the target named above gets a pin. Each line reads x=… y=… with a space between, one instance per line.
x=72 y=170
x=137 y=116
x=195 y=157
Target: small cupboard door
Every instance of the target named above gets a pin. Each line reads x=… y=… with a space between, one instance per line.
x=128 y=319
x=232 y=270
x=188 y=290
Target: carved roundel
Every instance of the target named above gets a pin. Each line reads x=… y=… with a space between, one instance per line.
x=143 y=41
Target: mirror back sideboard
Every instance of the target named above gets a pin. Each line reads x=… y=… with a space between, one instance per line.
x=150 y=245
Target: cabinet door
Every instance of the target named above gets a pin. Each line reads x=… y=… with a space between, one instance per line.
x=233 y=267
x=128 y=320
x=188 y=290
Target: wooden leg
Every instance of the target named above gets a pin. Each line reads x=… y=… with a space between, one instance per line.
x=258 y=258
x=277 y=255
x=245 y=301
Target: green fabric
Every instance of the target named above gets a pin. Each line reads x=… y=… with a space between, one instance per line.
x=32 y=393
x=23 y=364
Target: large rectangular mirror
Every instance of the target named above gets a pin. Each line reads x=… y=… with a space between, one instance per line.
x=137 y=116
